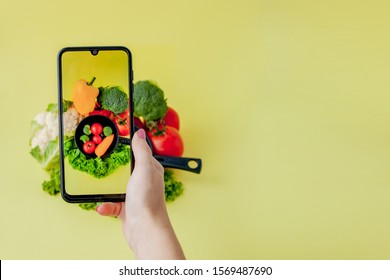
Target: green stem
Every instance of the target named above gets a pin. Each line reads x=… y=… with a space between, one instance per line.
x=91 y=82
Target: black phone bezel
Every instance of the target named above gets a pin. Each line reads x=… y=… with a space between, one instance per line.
x=119 y=197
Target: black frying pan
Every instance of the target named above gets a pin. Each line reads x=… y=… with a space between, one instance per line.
x=189 y=164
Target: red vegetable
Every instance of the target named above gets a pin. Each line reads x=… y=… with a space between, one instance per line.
x=96 y=128
x=89 y=147
x=97 y=139
x=169 y=143
x=94 y=112
x=138 y=123
x=122 y=123
x=107 y=114
x=172 y=118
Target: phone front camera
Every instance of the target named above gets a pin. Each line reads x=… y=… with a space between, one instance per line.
x=94 y=51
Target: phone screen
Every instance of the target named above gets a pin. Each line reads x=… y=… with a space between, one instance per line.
x=95 y=96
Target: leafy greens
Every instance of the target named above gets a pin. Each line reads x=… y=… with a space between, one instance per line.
x=97 y=167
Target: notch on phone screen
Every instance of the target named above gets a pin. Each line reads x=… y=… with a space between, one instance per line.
x=94 y=51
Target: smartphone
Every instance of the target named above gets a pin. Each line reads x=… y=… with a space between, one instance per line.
x=95 y=97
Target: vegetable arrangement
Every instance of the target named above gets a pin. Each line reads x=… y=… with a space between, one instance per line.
x=101 y=139
x=160 y=121
x=151 y=113
x=96 y=167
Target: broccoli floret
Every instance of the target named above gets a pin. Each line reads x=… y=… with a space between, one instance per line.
x=113 y=99
x=87 y=129
x=84 y=138
x=107 y=131
x=149 y=101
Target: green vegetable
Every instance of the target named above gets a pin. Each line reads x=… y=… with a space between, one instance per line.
x=97 y=167
x=87 y=129
x=52 y=186
x=50 y=158
x=107 y=131
x=173 y=188
x=113 y=99
x=84 y=138
x=149 y=101
x=53 y=107
x=89 y=206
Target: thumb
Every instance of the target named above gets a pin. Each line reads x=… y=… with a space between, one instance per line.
x=141 y=149
x=110 y=209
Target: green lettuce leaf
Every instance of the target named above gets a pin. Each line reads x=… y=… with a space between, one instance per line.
x=50 y=158
x=89 y=206
x=97 y=167
x=53 y=107
x=52 y=186
x=173 y=188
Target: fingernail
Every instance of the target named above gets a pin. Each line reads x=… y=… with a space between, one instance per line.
x=97 y=208
x=141 y=133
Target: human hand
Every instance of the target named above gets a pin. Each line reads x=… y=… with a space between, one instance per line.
x=145 y=221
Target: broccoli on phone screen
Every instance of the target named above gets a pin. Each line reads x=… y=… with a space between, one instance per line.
x=113 y=99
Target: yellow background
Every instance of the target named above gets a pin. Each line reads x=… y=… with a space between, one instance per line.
x=287 y=103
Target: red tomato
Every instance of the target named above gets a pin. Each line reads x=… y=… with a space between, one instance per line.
x=94 y=112
x=89 y=147
x=96 y=128
x=107 y=114
x=138 y=123
x=167 y=144
x=172 y=118
x=97 y=139
x=122 y=123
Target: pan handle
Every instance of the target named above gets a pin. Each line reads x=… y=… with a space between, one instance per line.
x=124 y=140
x=188 y=164
x=127 y=141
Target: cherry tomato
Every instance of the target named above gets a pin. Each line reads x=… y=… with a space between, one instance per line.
x=122 y=123
x=96 y=128
x=172 y=118
x=89 y=147
x=97 y=139
x=168 y=144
